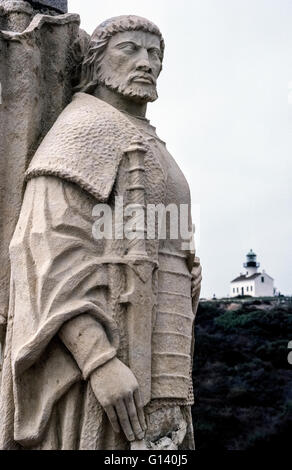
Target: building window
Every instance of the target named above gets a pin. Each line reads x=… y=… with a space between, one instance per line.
x=263 y=279
x=251 y=288
x=237 y=289
x=233 y=290
x=247 y=289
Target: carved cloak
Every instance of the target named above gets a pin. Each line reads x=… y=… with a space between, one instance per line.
x=85 y=146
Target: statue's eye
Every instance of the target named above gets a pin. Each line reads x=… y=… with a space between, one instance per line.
x=155 y=53
x=128 y=47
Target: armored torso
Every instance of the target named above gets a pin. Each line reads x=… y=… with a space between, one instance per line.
x=172 y=337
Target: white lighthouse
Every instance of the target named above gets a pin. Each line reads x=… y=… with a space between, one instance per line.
x=252 y=283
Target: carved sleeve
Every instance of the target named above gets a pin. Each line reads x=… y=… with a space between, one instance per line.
x=57 y=276
x=61 y=284
x=87 y=341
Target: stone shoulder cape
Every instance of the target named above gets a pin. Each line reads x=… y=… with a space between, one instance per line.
x=85 y=146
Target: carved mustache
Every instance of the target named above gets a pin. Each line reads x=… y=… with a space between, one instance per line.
x=146 y=76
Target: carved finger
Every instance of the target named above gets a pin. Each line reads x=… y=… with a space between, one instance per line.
x=140 y=409
x=197 y=273
x=132 y=412
x=196 y=292
x=124 y=420
x=112 y=416
x=197 y=263
x=197 y=283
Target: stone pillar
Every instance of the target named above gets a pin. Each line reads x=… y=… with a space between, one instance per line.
x=39 y=56
x=15 y=15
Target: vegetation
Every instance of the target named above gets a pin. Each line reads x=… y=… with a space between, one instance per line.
x=242 y=378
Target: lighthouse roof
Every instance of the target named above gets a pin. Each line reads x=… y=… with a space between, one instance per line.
x=251 y=255
x=243 y=278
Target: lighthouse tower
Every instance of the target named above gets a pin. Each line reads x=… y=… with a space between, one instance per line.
x=251 y=264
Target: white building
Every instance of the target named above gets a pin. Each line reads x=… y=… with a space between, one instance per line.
x=252 y=282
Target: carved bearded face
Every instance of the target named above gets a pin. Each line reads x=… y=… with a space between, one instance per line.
x=131 y=65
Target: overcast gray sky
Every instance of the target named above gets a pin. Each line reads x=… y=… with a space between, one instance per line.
x=223 y=111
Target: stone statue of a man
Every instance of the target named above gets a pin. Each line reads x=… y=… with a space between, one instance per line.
x=100 y=340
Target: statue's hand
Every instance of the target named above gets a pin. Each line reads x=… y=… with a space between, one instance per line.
x=196 y=277
x=116 y=389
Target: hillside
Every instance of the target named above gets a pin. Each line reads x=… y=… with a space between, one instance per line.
x=242 y=379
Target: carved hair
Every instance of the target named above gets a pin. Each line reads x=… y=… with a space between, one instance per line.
x=99 y=41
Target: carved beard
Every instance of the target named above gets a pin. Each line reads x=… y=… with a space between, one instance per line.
x=134 y=91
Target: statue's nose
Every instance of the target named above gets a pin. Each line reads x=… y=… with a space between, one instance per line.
x=143 y=62
x=144 y=66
